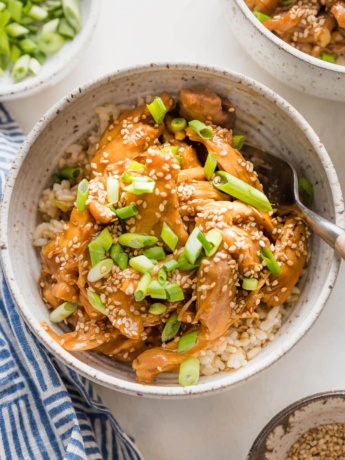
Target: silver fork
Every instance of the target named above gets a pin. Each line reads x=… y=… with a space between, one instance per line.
x=280 y=181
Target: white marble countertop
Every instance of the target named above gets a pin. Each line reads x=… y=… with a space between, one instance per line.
x=223 y=426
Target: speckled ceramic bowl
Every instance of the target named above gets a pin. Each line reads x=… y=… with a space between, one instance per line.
x=58 y=65
x=263 y=117
x=276 y=439
x=282 y=61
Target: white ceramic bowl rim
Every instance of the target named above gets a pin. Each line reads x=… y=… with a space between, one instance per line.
x=289 y=410
x=285 y=46
x=203 y=387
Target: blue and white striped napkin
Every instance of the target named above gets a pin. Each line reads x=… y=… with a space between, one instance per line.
x=47 y=411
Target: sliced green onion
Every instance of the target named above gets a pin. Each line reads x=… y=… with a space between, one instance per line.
x=202 y=130
x=99 y=246
x=15 y=8
x=241 y=190
x=189 y=372
x=193 y=246
x=141 y=185
x=34 y=66
x=37 y=13
x=15 y=53
x=119 y=256
x=169 y=237
x=261 y=16
x=250 y=284
x=205 y=243
x=238 y=142
x=210 y=165
x=50 y=27
x=40 y=56
x=171 y=265
x=328 y=57
x=157 y=308
x=183 y=263
x=127 y=211
x=157 y=109
x=113 y=189
x=187 y=341
x=271 y=263
x=156 y=253
x=62 y=312
x=58 y=13
x=21 y=68
x=2 y=6
x=4 y=48
x=162 y=276
x=65 y=29
x=96 y=301
x=142 y=288
x=142 y=264
x=100 y=270
x=157 y=291
x=306 y=190
x=137 y=240
x=179 y=159
x=215 y=237
x=69 y=173
x=82 y=195
x=71 y=10
x=174 y=292
x=16 y=30
x=171 y=327
x=50 y=42
x=136 y=166
x=170 y=149
x=178 y=124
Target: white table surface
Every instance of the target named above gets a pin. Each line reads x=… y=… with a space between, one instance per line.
x=223 y=426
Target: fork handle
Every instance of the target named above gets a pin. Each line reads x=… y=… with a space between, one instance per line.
x=329 y=232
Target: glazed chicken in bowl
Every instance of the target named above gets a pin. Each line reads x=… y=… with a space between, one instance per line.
x=164 y=267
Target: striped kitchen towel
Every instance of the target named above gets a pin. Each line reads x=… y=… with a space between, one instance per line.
x=47 y=411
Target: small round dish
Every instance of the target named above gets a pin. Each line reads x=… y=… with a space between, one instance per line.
x=262 y=116
x=278 y=436
x=289 y=65
x=57 y=65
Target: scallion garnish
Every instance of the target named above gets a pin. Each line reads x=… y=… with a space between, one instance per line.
x=238 y=142
x=71 y=11
x=214 y=237
x=127 y=211
x=170 y=149
x=187 y=341
x=157 y=291
x=271 y=263
x=113 y=189
x=171 y=327
x=96 y=301
x=241 y=190
x=99 y=246
x=100 y=270
x=250 y=284
x=142 y=288
x=62 y=312
x=157 y=109
x=306 y=190
x=261 y=16
x=68 y=173
x=328 y=57
x=155 y=253
x=183 y=263
x=210 y=165
x=193 y=246
x=174 y=292
x=205 y=243
x=162 y=276
x=141 y=263
x=157 y=308
x=189 y=372
x=21 y=68
x=169 y=237
x=119 y=256
x=50 y=42
x=178 y=124
x=137 y=240
x=171 y=265
x=141 y=185
x=202 y=130
x=82 y=195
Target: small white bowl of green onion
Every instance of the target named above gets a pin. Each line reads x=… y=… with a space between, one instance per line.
x=40 y=41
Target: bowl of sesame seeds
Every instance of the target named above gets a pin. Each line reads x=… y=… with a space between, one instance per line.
x=64 y=135
x=301 y=46
x=313 y=427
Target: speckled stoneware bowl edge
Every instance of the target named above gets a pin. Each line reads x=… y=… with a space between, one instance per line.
x=133 y=387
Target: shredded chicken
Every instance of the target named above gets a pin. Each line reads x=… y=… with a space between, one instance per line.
x=211 y=297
